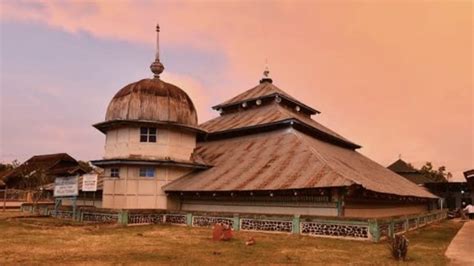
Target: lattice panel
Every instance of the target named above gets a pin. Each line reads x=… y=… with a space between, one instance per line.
x=336 y=230
x=266 y=225
x=63 y=214
x=145 y=218
x=100 y=217
x=175 y=219
x=204 y=221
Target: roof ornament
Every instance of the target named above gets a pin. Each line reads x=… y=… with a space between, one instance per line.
x=266 y=74
x=157 y=67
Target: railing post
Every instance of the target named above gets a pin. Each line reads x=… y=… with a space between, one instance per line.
x=296 y=224
x=123 y=217
x=374 y=230
x=5 y=199
x=77 y=217
x=189 y=219
x=391 y=228
x=236 y=222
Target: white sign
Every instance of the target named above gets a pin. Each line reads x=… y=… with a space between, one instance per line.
x=89 y=182
x=66 y=186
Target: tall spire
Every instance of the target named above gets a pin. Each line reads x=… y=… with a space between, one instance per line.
x=157 y=67
x=266 y=74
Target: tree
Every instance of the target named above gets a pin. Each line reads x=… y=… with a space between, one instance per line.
x=5 y=167
x=8 y=166
x=436 y=175
x=85 y=166
x=33 y=182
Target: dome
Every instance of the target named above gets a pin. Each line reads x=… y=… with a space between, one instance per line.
x=152 y=100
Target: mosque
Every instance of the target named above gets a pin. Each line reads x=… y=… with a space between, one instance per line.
x=263 y=154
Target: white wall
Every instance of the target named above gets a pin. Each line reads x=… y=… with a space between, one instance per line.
x=263 y=209
x=125 y=143
x=130 y=191
x=383 y=210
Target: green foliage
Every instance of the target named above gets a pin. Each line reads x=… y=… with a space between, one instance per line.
x=85 y=166
x=436 y=175
x=8 y=166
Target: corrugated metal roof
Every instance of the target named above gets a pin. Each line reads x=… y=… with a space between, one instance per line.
x=288 y=159
x=400 y=166
x=262 y=115
x=152 y=100
x=51 y=164
x=262 y=90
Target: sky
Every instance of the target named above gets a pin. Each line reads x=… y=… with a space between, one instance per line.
x=393 y=76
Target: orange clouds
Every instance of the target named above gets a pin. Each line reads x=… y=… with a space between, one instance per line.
x=395 y=77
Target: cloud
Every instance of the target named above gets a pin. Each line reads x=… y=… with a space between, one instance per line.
x=196 y=91
x=395 y=77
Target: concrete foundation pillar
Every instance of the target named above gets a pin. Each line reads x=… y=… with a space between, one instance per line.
x=296 y=224
x=189 y=219
x=236 y=222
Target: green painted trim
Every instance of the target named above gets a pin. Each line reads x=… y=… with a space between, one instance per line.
x=236 y=222
x=374 y=230
x=122 y=217
x=340 y=201
x=189 y=219
x=296 y=224
x=391 y=228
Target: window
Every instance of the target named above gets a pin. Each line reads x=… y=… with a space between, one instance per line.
x=147 y=172
x=147 y=134
x=115 y=172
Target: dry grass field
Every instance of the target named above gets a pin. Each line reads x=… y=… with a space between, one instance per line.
x=34 y=240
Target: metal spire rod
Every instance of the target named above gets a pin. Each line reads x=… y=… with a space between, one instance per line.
x=157 y=67
x=157 y=56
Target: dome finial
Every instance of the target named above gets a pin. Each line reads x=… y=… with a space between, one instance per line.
x=157 y=67
x=266 y=74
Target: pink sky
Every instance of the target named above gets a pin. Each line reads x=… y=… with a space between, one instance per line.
x=392 y=76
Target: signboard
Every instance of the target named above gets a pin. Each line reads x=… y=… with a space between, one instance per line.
x=66 y=186
x=89 y=182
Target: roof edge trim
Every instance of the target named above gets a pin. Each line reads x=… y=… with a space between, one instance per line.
x=107 y=162
x=106 y=125
x=310 y=109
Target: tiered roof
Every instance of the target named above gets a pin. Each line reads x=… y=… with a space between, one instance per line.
x=262 y=91
x=266 y=140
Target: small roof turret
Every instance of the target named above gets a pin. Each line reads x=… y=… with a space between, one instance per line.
x=266 y=89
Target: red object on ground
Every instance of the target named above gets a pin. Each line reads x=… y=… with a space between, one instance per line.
x=217 y=232
x=221 y=232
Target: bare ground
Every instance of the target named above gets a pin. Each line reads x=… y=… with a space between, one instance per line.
x=35 y=240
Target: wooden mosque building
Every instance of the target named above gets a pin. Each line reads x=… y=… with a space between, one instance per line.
x=264 y=154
